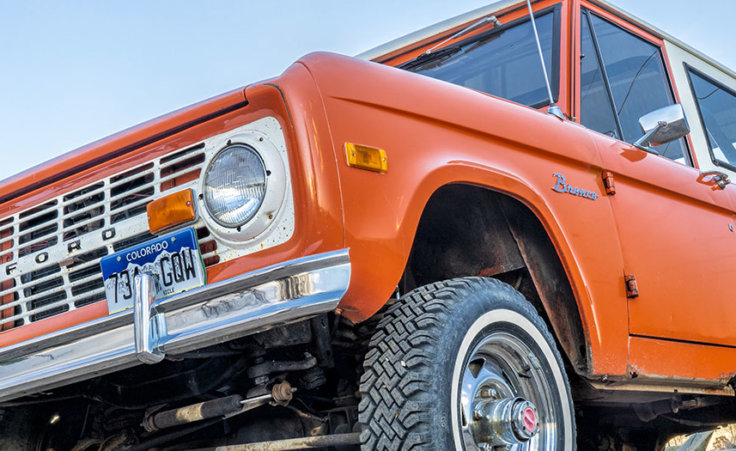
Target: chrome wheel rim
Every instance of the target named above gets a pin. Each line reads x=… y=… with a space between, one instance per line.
x=505 y=400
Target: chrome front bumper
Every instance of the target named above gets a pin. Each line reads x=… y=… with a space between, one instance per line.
x=191 y=320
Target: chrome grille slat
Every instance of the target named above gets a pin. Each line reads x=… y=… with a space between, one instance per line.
x=72 y=214
x=83 y=211
x=28 y=301
x=37 y=296
x=179 y=159
x=77 y=200
x=38 y=241
x=43 y=294
x=92 y=293
x=37 y=228
x=83 y=280
x=60 y=303
x=119 y=183
x=83 y=266
x=143 y=191
x=38 y=245
x=168 y=178
x=40 y=280
x=83 y=223
x=139 y=203
x=35 y=215
x=79 y=215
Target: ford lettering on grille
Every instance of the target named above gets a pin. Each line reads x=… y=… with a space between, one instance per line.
x=173 y=259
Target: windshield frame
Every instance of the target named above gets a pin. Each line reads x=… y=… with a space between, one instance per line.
x=555 y=66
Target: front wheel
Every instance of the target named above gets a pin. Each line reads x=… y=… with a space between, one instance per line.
x=465 y=364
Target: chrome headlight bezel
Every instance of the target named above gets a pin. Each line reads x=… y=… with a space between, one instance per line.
x=273 y=198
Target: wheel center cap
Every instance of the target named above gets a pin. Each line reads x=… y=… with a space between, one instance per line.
x=507 y=421
x=530 y=419
x=524 y=419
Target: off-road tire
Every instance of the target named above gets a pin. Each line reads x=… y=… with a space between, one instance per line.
x=411 y=365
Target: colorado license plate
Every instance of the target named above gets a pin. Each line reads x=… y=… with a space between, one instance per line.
x=173 y=259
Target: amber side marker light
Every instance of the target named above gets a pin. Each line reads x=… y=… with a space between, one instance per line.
x=170 y=211
x=366 y=157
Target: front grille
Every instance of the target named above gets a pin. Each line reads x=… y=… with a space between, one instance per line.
x=50 y=254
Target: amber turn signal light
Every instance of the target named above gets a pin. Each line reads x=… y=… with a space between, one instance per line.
x=366 y=157
x=170 y=211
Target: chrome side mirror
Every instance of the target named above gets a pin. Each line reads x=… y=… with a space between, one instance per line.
x=662 y=126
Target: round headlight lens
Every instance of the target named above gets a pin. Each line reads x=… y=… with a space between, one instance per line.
x=234 y=185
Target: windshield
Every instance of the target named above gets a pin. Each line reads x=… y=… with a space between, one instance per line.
x=503 y=62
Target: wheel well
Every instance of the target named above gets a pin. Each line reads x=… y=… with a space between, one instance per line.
x=469 y=231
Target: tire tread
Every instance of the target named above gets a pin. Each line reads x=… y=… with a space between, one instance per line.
x=396 y=385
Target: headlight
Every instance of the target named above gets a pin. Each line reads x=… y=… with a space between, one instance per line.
x=235 y=185
x=245 y=192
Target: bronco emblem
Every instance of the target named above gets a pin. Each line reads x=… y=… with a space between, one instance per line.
x=561 y=186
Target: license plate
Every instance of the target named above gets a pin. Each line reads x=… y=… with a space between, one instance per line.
x=173 y=259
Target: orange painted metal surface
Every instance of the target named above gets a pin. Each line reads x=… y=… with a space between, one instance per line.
x=53 y=324
x=677 y=242
x=435 y=134
x=315 y=185
x=682 y=361
x=466 y=136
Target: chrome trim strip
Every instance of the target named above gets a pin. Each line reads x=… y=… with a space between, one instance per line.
x=201 y=317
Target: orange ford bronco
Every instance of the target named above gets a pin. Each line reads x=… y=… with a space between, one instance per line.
x=502 y=231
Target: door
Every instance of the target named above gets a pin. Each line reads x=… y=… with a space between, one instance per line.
x=675 y=226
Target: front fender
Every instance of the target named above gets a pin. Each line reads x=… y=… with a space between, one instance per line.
x=436 y=134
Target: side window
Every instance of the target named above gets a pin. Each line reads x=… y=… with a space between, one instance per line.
x=622 y=79
x=717 y=105
x=503 y=62
x=595 y=99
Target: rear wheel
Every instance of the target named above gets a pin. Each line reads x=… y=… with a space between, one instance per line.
x=464 y=364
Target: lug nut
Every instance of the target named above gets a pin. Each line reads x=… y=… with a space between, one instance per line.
x=488 y=393
x=478 y=414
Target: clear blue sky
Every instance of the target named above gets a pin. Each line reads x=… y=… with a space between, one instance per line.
x=74 y=72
